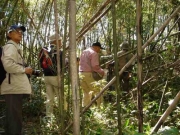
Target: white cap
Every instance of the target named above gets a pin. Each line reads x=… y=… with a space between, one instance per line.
x=53 y=37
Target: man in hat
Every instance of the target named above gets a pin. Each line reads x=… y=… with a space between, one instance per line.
x=126 y=75
x=89 y=62
x=16 y=84
x=50 y=72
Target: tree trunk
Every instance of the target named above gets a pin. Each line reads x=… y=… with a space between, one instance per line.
x=117 y=86
x=58 y=67
x=73 y=67
x=64 y=52
x=139 y=59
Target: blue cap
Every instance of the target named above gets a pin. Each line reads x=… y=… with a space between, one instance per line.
x=14 y=27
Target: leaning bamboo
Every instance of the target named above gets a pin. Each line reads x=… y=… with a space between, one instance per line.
x=166 y=113
x=94 y=20
x=94 y=17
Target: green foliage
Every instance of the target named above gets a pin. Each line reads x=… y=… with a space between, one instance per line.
x=34 y=105
x=49 y=125
x=139 y=134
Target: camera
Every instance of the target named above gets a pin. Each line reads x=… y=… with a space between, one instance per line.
x=37 y=73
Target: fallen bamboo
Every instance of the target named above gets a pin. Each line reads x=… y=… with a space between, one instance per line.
x=166 y=113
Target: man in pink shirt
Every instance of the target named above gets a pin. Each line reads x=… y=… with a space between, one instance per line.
x=89 y=61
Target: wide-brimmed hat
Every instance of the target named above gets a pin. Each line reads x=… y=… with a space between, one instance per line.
x=97 y=44
x=14 y=27
x=53 y=37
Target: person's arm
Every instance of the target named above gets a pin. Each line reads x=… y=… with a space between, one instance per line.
x=10 y=63
x=95 y=64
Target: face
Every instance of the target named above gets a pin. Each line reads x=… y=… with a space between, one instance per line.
x=54 y=43
x=98 y=49
x=16 y=35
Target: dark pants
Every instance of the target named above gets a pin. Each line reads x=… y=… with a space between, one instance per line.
x=124 y=81
x=13 y=114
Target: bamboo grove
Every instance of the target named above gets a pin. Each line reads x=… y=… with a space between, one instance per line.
x=152 y=27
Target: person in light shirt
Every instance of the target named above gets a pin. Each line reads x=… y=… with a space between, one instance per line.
x=50 y=73
x=89 y=62
x=16 y=85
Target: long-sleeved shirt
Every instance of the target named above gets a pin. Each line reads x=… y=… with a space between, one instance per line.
x=51 y=70
x=16 y=81
x=89 y=61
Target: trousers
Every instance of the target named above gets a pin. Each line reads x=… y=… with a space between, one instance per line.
x=124 y=81
x=13 y=114
x=52 y=90
x=86 y=83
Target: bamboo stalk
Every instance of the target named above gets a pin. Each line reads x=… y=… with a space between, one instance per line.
x=166 y=113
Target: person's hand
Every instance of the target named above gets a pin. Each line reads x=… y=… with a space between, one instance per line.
x=103 y=73
x=28 y=70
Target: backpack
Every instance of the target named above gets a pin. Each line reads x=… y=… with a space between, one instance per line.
x=45 y=60
x=2 y=70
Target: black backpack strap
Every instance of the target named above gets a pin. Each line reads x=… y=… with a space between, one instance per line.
x=9 y=78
